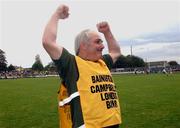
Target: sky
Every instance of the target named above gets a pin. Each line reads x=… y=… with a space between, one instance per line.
x=151 y=27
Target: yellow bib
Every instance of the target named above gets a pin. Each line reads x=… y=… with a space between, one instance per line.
x=99 y=99
x=98 y=96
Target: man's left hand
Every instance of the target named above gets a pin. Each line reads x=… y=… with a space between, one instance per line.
x=103 y=27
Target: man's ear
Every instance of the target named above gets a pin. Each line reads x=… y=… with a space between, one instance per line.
x=83 y=46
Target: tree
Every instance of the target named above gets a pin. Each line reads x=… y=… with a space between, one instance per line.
x=129 y=62
x=172 y=63
x=137 y=61
x=37 y=66
x=50 y=67
x=121 y=62
x=3 y=62
x=11 y=67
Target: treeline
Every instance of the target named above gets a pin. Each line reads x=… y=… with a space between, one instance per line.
x=129 y=61
x=36 y=66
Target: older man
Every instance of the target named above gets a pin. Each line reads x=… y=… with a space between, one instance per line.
x=87 y=95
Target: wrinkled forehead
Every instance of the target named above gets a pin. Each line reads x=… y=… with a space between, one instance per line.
x=93 y=35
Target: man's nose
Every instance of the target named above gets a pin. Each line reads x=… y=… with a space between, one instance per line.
x=102 y=46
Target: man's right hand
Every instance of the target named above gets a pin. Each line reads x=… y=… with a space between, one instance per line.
x=62 y=11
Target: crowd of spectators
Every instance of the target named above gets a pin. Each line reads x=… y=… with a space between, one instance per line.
x=26 y=74
x=146 y=70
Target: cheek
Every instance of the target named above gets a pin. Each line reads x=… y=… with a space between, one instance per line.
x=91 y=48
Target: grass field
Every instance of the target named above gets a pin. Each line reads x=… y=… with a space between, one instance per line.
x=147 y=101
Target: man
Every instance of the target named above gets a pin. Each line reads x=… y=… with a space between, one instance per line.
x=87 y=95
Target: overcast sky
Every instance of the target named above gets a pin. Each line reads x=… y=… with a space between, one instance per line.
x=152 y=27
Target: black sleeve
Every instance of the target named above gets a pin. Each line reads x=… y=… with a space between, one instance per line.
x=65 y=63
x=108 y=60
x=67 y=69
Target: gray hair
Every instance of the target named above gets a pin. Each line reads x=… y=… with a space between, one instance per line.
x=83 y=36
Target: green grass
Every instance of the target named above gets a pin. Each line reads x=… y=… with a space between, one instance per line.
x=29 y=103
x=147 y=101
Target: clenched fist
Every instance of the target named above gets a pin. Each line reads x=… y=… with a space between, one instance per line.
x=103 y=27
x=62 y=11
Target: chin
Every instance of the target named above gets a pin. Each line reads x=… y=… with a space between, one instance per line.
x=96 y=57
x=99 y=57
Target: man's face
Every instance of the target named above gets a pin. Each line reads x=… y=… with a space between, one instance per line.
x=94 y=47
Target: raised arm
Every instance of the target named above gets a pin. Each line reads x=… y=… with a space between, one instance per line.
x=50 y=32
x=113 y=47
